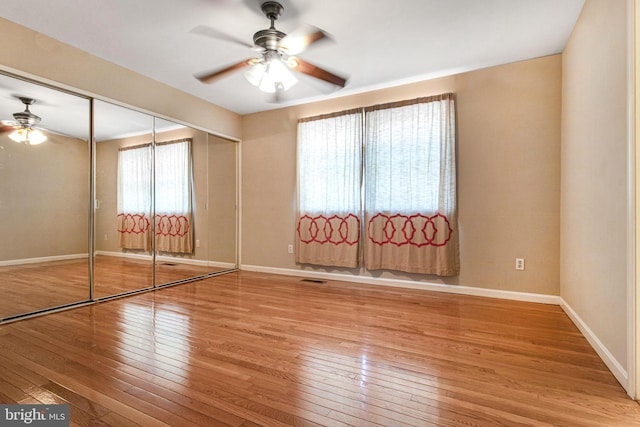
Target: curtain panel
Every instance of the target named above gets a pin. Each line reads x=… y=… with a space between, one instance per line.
x=410 y=220
x=329 y=190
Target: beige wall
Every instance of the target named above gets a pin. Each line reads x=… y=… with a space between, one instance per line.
x=30 y=52
x=508 y=175
x=594 y=173
x=44 y=198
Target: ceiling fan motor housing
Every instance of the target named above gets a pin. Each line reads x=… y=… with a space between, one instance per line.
x=269 y=38
x=26 y=118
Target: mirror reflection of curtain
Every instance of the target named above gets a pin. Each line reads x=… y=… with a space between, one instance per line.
x=134 y=197
x=173 y=201
x=174 y=207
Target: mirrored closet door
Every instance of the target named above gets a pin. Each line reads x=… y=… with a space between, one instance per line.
x=182 y=228
x=222 y=203
x=123 y=248
x=44 y=197
x=196 y=200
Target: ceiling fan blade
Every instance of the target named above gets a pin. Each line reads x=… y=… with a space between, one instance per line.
x=204 y=30
x=297 y=41
x=305 y=67
x=6 y=128
x=210 y=77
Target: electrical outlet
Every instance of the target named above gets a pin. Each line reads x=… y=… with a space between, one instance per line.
x=520 y=264
x=290 y=249
x=106 y=237
x=197 y=243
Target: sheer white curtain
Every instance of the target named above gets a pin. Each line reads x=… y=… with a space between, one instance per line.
x=410 y=187
x=134 y=197
x=329 y=190
x=174 y=217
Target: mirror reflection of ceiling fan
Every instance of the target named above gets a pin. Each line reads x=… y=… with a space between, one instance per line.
x=271 y=72
x=23 y=128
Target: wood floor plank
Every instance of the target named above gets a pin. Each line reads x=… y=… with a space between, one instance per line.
x=32 y=287
x=246 y=349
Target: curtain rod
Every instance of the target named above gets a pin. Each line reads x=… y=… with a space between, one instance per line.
x=395 y=104
x=148 y=144
x=422 y=100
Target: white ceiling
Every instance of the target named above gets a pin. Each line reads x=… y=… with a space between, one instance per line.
x=66 y=114
x=376 y=43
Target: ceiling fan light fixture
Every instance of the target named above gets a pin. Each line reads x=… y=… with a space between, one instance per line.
x=272 y=71
x=28 y=136
x=271 y=74
x=280 y=73
x=277 y=76
x=255 y=73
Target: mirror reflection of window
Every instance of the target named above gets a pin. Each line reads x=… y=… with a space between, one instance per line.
x=173 y=218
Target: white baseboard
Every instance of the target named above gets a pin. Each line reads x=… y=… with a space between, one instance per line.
x=42 y=259
x=164 y=258
x=409 y=284
x=612 y=363
x=143 y=257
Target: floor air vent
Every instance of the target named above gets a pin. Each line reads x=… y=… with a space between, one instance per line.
x=314 y=280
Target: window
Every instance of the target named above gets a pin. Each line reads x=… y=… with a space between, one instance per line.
x=410 y=217
x=330 y=156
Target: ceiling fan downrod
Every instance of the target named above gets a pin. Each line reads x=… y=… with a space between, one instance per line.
x=269 y=38
x=272 y=10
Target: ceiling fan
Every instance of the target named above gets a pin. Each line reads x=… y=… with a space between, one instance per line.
x=271 y=72
x=23 y=128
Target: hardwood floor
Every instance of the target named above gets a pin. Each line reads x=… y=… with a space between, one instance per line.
x=31 y=287
x=248 y=349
